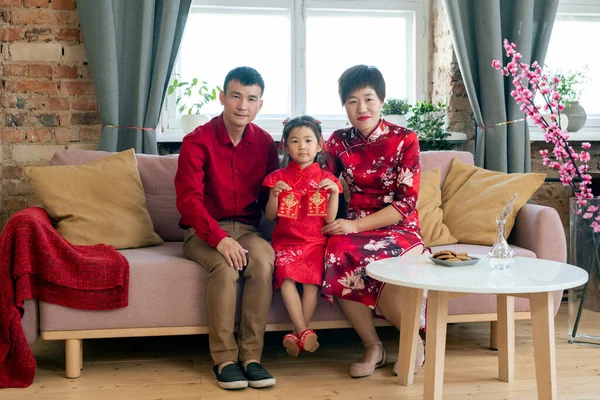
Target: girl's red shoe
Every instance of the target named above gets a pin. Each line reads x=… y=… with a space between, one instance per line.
x=308 y=340
x=292 y=345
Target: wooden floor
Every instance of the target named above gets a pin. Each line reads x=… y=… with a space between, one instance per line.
x=180 y=368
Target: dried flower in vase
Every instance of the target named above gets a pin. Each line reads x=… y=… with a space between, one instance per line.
x=508 y=208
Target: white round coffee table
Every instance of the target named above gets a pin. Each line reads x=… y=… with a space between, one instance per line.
x=531 y=278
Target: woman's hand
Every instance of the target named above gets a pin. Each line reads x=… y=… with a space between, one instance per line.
x=340 y=227
x=330 y=185
x=278 y=188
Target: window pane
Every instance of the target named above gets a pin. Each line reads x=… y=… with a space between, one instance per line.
x=216 y=42
x=352 y=39
x=567 y=51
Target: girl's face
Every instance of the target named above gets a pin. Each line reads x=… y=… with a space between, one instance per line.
x=302 y=146
x=363 y=108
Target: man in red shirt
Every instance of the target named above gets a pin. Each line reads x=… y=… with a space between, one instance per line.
x=219 y=195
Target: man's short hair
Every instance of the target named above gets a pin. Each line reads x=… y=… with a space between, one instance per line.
x=247 y=76
x=359 y=77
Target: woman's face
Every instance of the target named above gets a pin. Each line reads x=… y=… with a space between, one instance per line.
x=363 y=107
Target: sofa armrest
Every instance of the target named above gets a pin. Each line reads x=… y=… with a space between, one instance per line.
x=539 y=229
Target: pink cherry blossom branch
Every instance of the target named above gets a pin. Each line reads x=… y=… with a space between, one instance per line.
x=564 y=158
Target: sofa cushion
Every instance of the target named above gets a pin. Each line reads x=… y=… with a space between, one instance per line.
x=472 y=199
x=442 y=160
x=165 y=290
x=157 y=173
x=431 y=216
x=99 y=202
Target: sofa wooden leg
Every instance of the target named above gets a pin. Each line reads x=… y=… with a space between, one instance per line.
x=494 y=335
x=73 y=358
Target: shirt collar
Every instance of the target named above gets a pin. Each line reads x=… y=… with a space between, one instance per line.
x=247 y=137
x=295 y=167
x=381 y=129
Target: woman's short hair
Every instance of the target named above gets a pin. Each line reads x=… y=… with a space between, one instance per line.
x=359 y=77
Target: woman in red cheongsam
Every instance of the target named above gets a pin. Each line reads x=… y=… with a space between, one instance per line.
x=380 y=163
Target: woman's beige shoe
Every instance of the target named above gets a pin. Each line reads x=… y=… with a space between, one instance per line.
x=363 y=369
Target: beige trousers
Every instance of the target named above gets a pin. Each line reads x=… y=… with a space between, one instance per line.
x=222 y=284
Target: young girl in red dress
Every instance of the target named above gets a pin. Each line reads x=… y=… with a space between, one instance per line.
x=303 y=198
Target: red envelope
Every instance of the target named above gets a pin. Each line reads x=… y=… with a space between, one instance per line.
x=317 y=203
x=289 y=204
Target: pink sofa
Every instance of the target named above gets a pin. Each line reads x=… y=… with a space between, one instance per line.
x=168 y=292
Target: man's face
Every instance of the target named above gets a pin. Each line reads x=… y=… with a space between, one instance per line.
x=240 y=103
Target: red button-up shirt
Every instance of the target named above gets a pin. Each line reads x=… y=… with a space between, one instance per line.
x=218 y=181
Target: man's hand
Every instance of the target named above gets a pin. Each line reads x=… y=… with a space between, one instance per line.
x=330 y=185
x=278 y=188
x=340 y=227
x=234 y=253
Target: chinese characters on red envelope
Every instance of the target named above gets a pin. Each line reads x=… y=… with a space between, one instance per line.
x=290 y=203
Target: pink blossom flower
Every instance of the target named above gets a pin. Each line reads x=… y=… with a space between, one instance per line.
x=571 y=165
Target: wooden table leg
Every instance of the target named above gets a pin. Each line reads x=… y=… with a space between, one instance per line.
x=506 y=337
x=411 y=300
x=437 y=313
x=542 y=326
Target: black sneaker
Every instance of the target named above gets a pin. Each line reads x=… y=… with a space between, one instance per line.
x=231 y=377
x=257 y=376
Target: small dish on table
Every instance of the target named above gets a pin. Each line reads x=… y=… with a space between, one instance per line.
x=450 y=258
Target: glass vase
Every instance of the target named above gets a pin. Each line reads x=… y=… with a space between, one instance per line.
x=501 y=256
x=584 y=301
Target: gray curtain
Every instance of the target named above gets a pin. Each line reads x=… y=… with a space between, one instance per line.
x=478 y=28
x=131 y=46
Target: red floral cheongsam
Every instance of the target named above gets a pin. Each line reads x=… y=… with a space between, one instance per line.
x=382 y=170
x=299 y=244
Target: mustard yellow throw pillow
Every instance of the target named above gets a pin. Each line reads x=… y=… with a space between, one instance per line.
x=431 y=216
x=99 y=202
x=473 y=197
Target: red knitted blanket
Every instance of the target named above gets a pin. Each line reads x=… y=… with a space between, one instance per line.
x=36 y=262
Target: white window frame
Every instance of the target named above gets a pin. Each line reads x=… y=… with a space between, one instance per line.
x=419 y=52
x=584 y=9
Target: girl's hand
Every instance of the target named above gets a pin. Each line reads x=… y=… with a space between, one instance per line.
x=278 y=188
x=340 y=227
x=330 y=185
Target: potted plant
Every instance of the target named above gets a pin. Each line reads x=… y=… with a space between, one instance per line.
x=428 y=123
x=191 y=97
x=569 y=88
x=394 y=111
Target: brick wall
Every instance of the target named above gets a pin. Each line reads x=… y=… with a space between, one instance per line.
x=446 y=84
x=47 y=101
